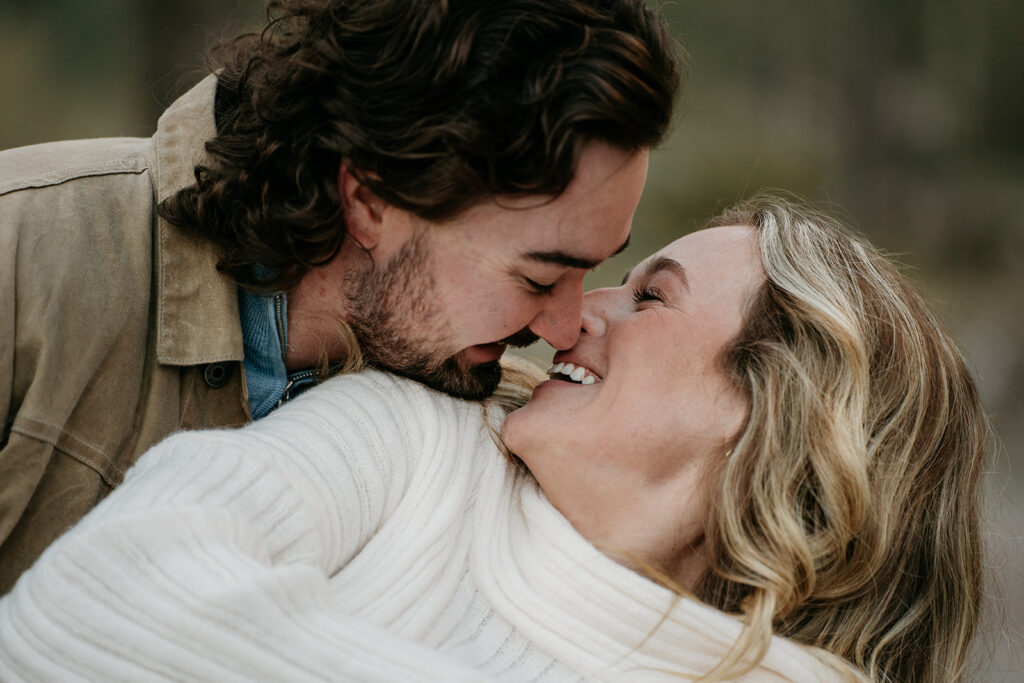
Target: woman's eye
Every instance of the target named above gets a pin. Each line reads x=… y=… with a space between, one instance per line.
x=642 y=294
x=539 y=288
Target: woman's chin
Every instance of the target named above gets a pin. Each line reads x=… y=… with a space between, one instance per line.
x=519 y=427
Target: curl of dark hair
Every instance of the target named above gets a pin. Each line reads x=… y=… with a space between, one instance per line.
x=434 y=105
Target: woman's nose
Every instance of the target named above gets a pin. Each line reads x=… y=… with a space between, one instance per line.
x=558 y=320
x=598 y=309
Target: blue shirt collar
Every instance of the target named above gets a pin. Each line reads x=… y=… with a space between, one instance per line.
x=264 y=338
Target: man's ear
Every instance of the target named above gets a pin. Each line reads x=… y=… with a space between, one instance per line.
x=363 y=210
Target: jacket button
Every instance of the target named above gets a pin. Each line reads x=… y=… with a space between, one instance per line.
x=216 y=374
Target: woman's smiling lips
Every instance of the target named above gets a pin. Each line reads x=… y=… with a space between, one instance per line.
x=572 y=372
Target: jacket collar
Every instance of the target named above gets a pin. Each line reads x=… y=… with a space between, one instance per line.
x=197 y=307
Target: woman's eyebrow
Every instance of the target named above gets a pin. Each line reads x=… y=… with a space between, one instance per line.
x=659 y=264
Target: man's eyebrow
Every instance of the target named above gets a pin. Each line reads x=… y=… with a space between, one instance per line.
x=560 y=258
x=662 y=263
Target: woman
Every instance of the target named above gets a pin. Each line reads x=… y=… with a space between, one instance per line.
x=759 y=462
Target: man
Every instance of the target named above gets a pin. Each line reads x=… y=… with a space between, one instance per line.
x=421 y=181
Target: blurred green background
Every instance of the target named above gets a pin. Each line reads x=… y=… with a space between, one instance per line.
x=905 y=117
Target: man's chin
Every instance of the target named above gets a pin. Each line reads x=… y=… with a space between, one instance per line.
x=472 y=383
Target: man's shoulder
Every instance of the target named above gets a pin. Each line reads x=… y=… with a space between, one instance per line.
x=83 y=205
x=57 y=163
x=76 y=230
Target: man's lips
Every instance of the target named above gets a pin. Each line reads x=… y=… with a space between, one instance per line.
x=484 y=353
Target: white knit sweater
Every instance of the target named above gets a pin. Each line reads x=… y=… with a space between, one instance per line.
x=369 y=530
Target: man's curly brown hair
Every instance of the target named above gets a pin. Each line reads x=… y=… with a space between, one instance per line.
x=434 y=105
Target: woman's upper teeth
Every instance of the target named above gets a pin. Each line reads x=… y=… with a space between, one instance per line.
x=577 y=373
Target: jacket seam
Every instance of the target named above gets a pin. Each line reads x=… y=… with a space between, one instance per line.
x=71 y=173
x=64 y=443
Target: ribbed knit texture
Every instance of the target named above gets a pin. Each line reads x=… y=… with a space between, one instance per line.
x=368 y=530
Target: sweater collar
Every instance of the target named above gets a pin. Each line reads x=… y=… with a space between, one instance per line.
x=197 y=307
x=604 y=619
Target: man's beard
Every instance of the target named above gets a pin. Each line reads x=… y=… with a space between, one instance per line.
x=394 y=316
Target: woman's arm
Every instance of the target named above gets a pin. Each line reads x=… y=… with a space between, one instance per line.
x=212 y=561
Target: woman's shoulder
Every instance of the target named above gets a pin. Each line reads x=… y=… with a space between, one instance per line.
x=376 y=406
x=373 y=389
x=714 y=631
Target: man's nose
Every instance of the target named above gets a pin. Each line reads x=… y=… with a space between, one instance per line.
x=558 y=322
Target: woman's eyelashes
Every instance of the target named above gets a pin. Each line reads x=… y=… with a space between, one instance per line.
x=647 y=293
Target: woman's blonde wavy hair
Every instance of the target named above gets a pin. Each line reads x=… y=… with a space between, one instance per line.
x=846 y=517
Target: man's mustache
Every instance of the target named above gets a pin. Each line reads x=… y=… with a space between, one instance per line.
x=523 y=337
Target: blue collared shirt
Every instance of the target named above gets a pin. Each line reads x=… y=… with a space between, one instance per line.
x=264 y=338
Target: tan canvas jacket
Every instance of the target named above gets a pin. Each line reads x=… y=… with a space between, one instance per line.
x=115 y=328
